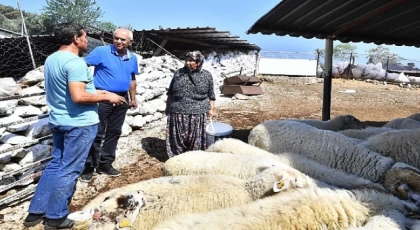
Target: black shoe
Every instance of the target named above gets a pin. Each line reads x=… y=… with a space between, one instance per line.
x=33 y=219
x=108 y=170
x=62 y=223
x=87 y=174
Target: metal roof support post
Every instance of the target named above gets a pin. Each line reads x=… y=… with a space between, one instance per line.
x=326 y=101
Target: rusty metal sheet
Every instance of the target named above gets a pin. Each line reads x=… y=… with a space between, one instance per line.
x=242 y=89
x=243 y=80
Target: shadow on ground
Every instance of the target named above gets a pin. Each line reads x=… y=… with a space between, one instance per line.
x=241 y=134
x=155 y=147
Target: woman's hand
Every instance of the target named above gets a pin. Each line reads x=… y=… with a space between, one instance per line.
x=212 y=113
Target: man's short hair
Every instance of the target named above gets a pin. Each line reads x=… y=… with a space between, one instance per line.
x=130 y=33
x=65 y=32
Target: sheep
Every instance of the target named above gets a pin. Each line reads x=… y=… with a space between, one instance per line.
x=169 y=196
x=122 y=208
x=415 y=116
x=302 y=163
x=400 y=145
x=403 y=123
x=313 y=208
x=243 y=167
x=338 y=123
x=336 y=151
x=363 y=134
x=389 y=220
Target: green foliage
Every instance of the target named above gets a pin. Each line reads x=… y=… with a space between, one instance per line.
x=10 y=19
x=411 y=65
x=382 y=54
x=106 y=26
x=341 y=51
x=84 y=12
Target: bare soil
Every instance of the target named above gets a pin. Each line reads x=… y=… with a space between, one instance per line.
x=284 y=97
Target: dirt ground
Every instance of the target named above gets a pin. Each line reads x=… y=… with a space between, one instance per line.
x=299 y=98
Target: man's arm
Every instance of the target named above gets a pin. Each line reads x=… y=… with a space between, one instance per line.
x=132 y=91
x=79 y=95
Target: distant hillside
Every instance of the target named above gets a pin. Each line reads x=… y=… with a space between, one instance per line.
x=10 y=19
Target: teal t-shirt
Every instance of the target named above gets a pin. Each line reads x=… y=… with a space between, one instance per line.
x=61 y=68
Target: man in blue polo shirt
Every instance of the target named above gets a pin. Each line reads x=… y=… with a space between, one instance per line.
x=115 y=70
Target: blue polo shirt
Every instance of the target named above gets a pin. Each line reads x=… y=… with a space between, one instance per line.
x=112 y=72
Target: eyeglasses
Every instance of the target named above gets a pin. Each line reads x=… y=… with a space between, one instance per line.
x=122 y=39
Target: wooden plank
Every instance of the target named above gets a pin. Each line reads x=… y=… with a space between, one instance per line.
x=25 y=181
x=19 y=196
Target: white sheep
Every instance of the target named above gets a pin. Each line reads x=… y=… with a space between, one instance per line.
x=170 y=196
x=400 y=145
x=243 y=167
x=389 y=220
x=334 y=150
x=120 y=208
x=314 y=208
x=403 y=123
x=363 y=134
x=302 y=163
x=338 y=123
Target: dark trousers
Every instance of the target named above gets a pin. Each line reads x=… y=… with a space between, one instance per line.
x=111 y=120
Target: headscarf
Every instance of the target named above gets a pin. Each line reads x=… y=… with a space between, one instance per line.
x=197 y=57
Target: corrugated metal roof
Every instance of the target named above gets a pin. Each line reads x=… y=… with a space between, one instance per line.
x=378 y=21
x=206 y=37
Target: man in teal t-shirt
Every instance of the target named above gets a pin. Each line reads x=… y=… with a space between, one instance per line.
x=72 y=100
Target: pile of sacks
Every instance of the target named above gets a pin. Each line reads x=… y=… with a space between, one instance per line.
x=371 y=71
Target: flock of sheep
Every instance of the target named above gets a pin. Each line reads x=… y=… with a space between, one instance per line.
x=292 y=174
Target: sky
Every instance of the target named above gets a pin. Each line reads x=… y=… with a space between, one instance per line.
x=236 y=16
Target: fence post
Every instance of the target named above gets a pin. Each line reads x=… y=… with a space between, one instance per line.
x=349 y=66
x=26 y=35
x=317 y=63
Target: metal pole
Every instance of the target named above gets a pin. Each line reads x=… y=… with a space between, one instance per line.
x=349 y=65
x=26 y=34
x=317 y=63
x=326 y=101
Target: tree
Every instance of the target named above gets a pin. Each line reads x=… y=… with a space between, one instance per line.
x=106 y=26
x=382 y=54
x=320 y=51
x=411 y=65
x=35 y=23
x=342 y=51
x=84 y=12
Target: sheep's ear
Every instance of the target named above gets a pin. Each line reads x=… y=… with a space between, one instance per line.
x=280 y=186
x=262 y=168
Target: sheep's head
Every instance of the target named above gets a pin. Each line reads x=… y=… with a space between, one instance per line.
x=403 y=181
x=275 y=179
x=117 y=211
x=350 y=122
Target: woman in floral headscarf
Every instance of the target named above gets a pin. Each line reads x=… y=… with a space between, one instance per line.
x=190 y=102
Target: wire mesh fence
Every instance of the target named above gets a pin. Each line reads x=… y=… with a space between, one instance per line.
x=15 y=56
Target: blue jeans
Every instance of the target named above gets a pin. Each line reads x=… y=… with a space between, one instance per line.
x=56 y=187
